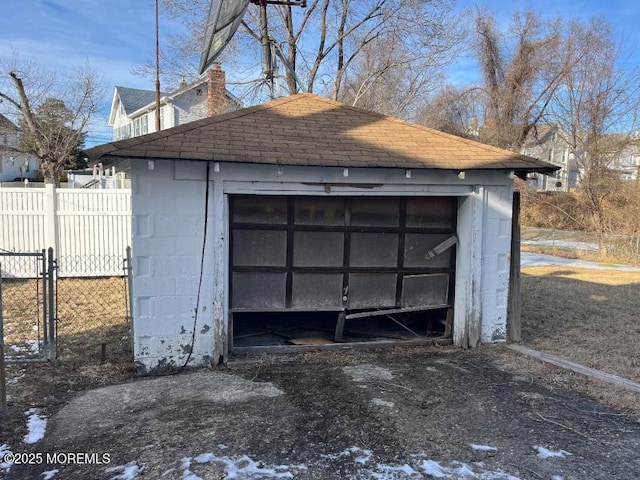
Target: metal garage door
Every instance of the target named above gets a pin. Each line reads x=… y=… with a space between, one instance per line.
x=340 y=253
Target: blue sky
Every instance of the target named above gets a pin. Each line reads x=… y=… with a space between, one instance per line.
x=114 y=36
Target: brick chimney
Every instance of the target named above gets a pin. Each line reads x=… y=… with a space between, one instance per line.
x=216 y=91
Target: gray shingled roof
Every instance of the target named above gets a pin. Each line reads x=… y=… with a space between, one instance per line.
x=305 y=129
x=134 y=98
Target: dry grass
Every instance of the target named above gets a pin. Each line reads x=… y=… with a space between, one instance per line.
x=591 y=317
x=90 y=312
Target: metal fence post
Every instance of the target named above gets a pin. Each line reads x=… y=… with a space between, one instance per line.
x=45 y=309
x=51 y=300
x=3 y=379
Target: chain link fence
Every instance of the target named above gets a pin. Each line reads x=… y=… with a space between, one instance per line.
x=619 y=248
x=23 y=306
x=92 y=321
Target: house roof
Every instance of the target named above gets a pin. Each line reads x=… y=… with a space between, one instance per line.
x=305 y=129
x=134 y=98
x=6 y=124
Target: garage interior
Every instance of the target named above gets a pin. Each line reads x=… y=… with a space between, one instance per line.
x=321 y=270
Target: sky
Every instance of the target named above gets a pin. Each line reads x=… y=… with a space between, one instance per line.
x=115 y=36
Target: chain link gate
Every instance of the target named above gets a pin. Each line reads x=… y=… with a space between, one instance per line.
x=28 y=327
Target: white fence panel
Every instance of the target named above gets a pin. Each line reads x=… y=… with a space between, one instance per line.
x=89 y=229
x=94 y=229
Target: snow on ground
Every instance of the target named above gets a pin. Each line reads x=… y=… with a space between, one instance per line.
x=29 y=346
x=546 y=453
x=49 y=474
x=243 y=467
x=36 y=425
x=378 y=402
x=529 y=259
x=126 y=472
x=482 y=448
x=564 y=244
x=4 y=450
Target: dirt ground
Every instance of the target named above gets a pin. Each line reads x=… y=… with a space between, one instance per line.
x=406 y=413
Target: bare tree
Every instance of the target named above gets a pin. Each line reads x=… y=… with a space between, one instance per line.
x=51 y=110
x=326 y=44
x=518 y=82
x=455 y=110
x=596 y=110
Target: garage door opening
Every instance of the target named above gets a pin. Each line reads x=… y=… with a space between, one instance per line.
x=340 y=269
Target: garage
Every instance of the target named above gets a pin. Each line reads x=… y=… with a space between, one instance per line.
x=306 y=223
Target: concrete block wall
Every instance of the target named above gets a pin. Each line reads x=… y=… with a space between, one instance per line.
x=168 y=230
x=496 y=248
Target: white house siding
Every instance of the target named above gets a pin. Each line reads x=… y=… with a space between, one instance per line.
x=191 y=106
x=168 y=226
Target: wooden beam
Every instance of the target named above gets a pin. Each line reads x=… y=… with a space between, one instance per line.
x=576 y=367
x=514 y=325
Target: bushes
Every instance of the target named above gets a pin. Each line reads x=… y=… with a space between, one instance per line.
x=618 y=207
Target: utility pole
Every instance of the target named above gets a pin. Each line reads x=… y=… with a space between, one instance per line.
x=157 y=69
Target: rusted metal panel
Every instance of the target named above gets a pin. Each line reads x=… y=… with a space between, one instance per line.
x=259 y=247
x=318 y=249
x=315 y=211
x=372 y=290
x=417 y=247
x=375 y=212
x=258 y=290
x=431 y=212
x=420 y=290
x=374 y=249
x=265 y=210
x=317 y=290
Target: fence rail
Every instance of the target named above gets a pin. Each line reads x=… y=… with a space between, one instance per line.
x=85 y=227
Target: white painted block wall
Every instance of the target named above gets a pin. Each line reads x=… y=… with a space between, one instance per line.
x=168 y=230
x=495 y=262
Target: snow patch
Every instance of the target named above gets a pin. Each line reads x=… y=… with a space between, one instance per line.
x=126 y=472
x=546 y=453
x=243 y=467
x=382 y=403
x=564 y=244
x=36 y=425
x=364 y=373
x=483 y=448
x=49 y=474
x=4 y=450
x=538 y=260
x=388 y=472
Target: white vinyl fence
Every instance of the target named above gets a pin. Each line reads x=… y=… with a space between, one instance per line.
x=89 y=230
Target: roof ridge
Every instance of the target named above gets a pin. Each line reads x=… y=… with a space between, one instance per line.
x=420 y=127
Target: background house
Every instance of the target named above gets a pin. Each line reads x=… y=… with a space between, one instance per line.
x=133 y=111
x=549 y=143
x=14 y=166
x=546 y=142
x=305 y=220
